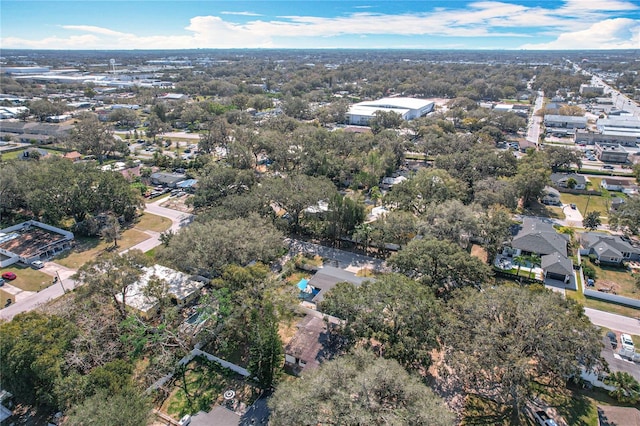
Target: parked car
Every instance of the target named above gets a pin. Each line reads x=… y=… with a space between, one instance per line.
x=38 y=264
x=9 y=276
x=1 y=282
x=573 y=206
x=613 y=339
x=608 y=167
x=625 y=339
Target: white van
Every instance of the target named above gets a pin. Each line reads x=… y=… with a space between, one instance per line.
x=627 y=342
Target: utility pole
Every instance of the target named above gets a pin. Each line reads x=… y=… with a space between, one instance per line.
x=64 y=291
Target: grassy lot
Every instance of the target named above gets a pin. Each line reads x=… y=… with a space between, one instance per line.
x=89 y=248
x=614 y=308
x=621 y=280
x=15 y=154
x=205 y=382
x=28 y=279
x=152 y=222
x=577 y=407
x=590 y=202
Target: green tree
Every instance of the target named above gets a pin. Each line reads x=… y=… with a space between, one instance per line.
x=383 y=120
x=396 y=315
x=358 y=389
x=592 y=220
x=111 y=231
x=191 y=248
x=296 y=193
x=627 y=388
x=440 y=264
x=265 y=347
x=32 y=350
x=500 y=342
x=532 y=176
x=344 y=215
x=111 y=276
x=427 y=186
x=92 y=137
x=627 y=217
x=127 y=408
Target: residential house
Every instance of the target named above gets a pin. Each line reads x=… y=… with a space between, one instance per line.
x=310 y=345
x=611 y=184
x=556 y=267
x=180 y=287
x=616 y=203
x=608 y=248
x=538 y=237
x=74 y=156
x=551 y=196
x=324 y=280
x=561 y=180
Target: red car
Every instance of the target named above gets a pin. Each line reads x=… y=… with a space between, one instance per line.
x=9 y=276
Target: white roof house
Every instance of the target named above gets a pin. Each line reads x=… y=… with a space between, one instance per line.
x=407 y=108
x=179 y=286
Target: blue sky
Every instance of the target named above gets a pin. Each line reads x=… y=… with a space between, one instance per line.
x=452 y=24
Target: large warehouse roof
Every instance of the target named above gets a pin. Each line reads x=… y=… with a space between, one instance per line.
x=396 y=103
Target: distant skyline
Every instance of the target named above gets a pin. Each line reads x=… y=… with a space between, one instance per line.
x=452 y=24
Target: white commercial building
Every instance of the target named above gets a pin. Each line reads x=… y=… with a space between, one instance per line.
x=408 y=108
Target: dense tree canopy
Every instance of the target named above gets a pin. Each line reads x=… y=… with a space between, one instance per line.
x=207 y=247
x=501 y=341
x=440 y=264
x=358 y=389
x=395 y=314
x=32 y=351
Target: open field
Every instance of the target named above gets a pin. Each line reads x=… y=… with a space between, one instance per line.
x=12 y=155
x=28 y=279
x=619 y=279
x=89 y=248
x=152 y=222
x=588 y=203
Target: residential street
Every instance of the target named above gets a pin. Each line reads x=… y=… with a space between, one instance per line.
x=614 y=322
x=533 y=131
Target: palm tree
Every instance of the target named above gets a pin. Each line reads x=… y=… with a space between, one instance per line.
x=534 y=259
x=520 y=259
x=627 y=388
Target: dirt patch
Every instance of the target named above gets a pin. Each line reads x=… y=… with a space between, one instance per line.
x=479 y=252
x=178 y=203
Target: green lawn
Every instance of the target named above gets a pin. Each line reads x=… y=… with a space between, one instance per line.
x=28 y=279
x=587 y=203
x=152 y=222
x=206 y=382
x=614 y=308
x=15 y=154
x=89 y=248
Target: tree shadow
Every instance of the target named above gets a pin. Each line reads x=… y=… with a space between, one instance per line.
x=479 y=411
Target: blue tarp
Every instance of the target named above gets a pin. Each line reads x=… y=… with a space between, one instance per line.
x=302 y=285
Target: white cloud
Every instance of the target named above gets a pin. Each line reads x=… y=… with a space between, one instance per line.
x=619 y=33
x=93 y=29
x=240 y=13
x=573 y=20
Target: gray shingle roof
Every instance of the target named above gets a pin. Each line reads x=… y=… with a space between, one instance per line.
x=556 y=264
x=540 y=237
x=598 y=242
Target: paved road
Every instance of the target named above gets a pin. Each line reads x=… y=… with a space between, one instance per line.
x=533 y=133
x=178 y=219
x=616 y=362
x=613 y=321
